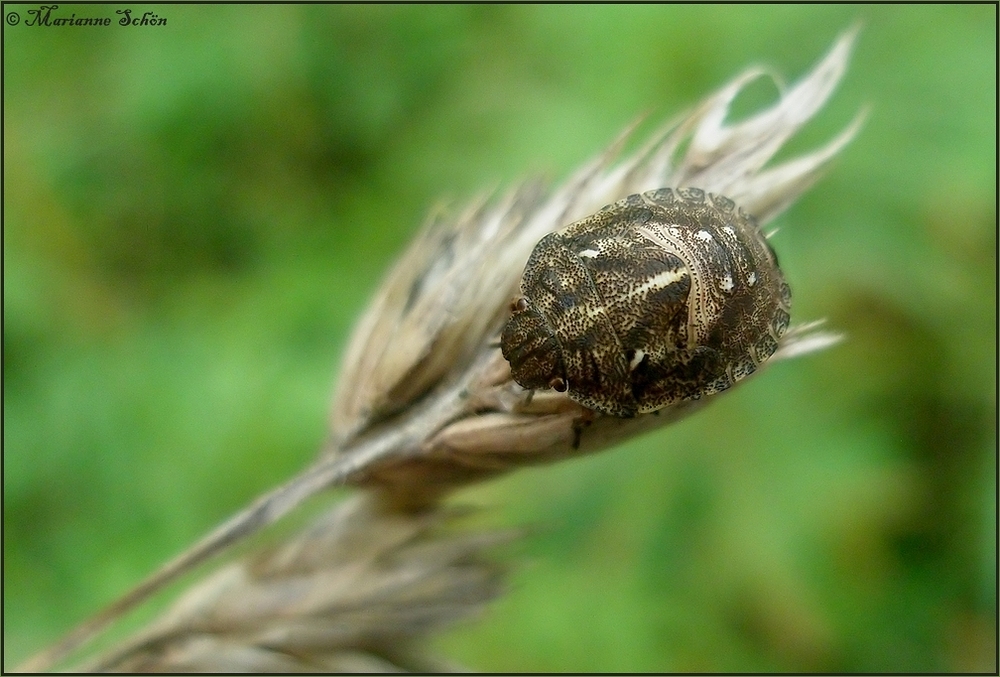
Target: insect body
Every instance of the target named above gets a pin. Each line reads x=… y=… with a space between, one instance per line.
x=660 y=297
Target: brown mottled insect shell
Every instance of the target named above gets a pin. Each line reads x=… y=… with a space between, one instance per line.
x=660 y=297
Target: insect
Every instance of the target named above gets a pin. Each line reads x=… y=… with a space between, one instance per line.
x=660 y=297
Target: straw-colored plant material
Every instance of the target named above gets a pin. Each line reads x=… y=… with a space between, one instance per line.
x=426 y=402
x=355 y=592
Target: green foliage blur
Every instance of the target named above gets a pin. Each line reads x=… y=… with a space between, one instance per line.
x=195 y=214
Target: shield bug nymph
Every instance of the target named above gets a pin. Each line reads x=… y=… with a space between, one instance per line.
x=660 y=297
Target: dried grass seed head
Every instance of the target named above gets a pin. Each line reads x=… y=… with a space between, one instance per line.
x=357 y=591
x=426 y=402
x=438 y=315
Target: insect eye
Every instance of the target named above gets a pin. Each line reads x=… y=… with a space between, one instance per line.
x=518 y=304
x=558 y=384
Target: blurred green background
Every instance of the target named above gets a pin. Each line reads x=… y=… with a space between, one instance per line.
x=195 y=214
